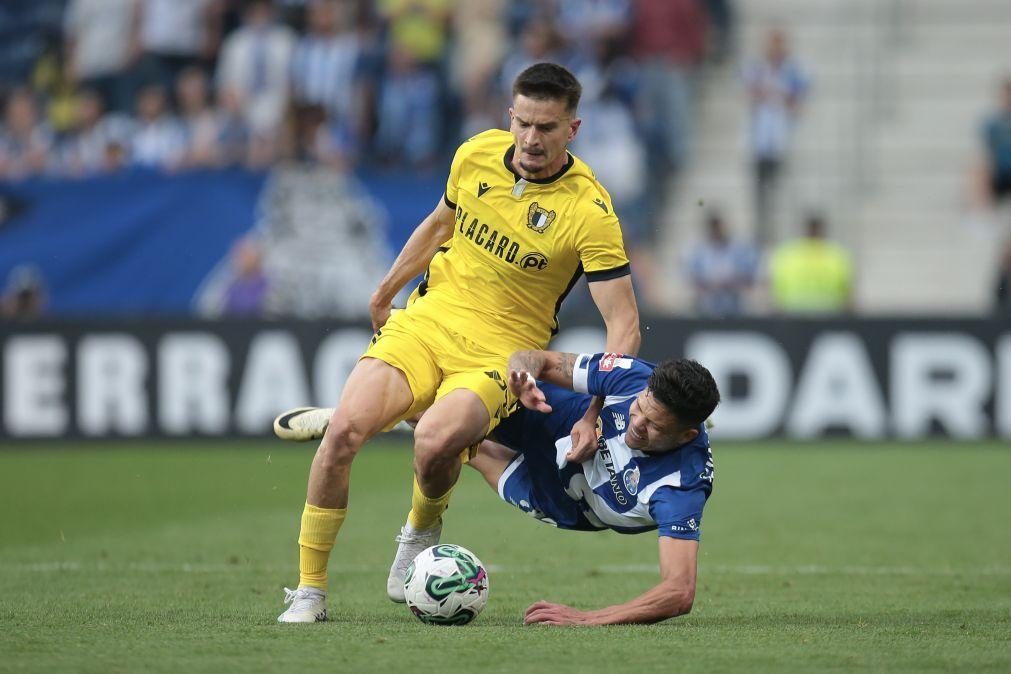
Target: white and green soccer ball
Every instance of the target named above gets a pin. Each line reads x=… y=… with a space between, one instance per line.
x=446 y=585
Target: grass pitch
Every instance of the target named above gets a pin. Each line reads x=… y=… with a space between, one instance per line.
x=816 y=557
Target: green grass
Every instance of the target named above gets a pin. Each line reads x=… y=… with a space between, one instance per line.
x=815 y=557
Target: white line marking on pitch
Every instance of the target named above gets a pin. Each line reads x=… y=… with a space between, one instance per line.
x=721 y=569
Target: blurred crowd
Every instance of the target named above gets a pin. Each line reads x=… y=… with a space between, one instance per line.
x=95 y=85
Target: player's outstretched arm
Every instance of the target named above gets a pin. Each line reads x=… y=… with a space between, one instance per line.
x=434 y=230
x=673 y=596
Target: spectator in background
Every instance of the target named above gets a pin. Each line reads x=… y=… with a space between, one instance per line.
x=177 y=34
x=409 y=119
x=721 y=28
x=255 y=68
x=158 y=139
x=1002 y=289
x=233 y=134
x=53 y=90
x=86 y=150
x=201 y=123
x=993 y=180
x=24 y=297
x=248 y=289
x=538 y=42
x=418 y=29
x=326 y=67
x=811 y=274
x=668 y=40
x=318 y=142
x=478 y=49
x=721 y=270
x=776 y=87
x=409 y=114
x=101 y=43
x=24 y=142
x=596 y=29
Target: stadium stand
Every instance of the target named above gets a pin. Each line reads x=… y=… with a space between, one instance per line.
x=885 y=139
x=883 y=145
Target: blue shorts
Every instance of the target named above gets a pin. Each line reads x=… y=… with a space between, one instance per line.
x=537 y=490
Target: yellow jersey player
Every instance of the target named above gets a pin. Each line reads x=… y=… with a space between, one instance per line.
x=521 y=220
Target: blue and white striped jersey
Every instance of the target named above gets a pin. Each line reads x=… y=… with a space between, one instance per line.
x=619 y=488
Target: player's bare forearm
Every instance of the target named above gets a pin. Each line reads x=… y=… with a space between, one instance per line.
x=665 y=600
x=672 y=596
x=593 y=411
x=434 y=230
x=615 y=300
x=623 y=335
x=554 y=367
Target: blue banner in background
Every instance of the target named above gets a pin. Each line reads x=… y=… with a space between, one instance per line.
x=138 y=242
x=142 y=242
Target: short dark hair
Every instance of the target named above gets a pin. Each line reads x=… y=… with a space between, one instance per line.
x=549 y=81
x=686 y=388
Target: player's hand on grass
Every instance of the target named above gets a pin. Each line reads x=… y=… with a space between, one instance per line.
x=379 y=311
x=584 y=441
x=546 y=613
x=524 y=387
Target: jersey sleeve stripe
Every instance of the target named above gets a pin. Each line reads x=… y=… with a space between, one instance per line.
x=449 y=203
x=580 y=373
x=608 y=274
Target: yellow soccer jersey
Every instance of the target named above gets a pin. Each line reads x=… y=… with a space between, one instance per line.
x=518 y=246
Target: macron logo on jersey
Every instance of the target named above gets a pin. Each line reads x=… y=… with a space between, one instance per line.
x=609 y=361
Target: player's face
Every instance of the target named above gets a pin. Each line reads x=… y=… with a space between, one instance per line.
x=541 y=129
x=653 y=428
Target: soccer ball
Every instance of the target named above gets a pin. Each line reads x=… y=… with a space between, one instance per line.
x=446 y=585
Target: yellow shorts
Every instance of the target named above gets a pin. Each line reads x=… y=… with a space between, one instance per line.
x=437 y=360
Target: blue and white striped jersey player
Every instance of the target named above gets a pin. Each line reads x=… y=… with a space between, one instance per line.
x=652 y=468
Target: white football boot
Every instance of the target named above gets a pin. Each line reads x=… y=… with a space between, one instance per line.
x=411 y=543
x=308 y=605
x=303 y=423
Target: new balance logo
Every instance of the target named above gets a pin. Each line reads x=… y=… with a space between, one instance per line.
x=482 y=188
x=603 y=206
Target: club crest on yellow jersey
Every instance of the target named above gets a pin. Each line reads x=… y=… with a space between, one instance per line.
x=538 y=219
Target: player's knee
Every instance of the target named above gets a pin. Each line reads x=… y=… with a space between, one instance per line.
x=341 y=442
x=434 y=445
x=428 y=464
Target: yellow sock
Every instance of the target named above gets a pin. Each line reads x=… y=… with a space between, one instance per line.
x=426 y=513
x=315 y=540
